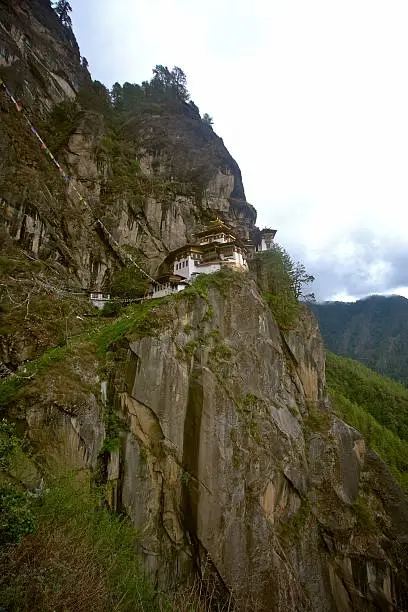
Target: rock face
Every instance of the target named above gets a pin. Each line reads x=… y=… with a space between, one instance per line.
x=154 y=179
x=185 y=175
x=233 y=451
x=231 y=463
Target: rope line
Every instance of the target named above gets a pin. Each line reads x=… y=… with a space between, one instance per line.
x=66 y=178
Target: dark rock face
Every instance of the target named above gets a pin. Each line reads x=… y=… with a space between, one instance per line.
x=39 y=58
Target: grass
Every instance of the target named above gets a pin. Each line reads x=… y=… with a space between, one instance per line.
x=220 y=280
x=137 y=320
x=81 y=557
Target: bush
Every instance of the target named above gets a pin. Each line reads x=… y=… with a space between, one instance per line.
x=274 y=272
x=16 y=516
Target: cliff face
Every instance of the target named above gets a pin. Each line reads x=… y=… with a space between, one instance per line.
x=39 y=58
x=209 y=427
x=154 y=178
x=185 y=175
x=230 y=461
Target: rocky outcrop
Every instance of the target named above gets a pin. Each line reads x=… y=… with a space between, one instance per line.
x=231 y=463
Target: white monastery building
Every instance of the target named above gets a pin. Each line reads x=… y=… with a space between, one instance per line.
x=217 y=247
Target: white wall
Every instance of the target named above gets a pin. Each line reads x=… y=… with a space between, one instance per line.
x=100 y=303
x=264 y=246
x=184 y=271
x=166 y=291
x=210 y=269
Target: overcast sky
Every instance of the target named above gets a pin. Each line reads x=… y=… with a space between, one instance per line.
x=311 y=99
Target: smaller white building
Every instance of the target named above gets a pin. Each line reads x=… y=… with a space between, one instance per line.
x=166 y=285
x=99 y=299
x=267 y=237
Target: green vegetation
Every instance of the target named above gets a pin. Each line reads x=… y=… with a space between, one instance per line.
x=63 y=10
x=137 y=320
x=291 y=528
x=112 y=308
x=16 y=517
x=364 y=514
x=191 y=346
x=128 y=283
x=247 y=413
x=33 y=312
x=317 y=420
x=61 y=124
x=10 y=387
x=282 y=282
x=79 y=556
x=373 y=331
x=114 y=425
x=221 y=281
x=376 y=406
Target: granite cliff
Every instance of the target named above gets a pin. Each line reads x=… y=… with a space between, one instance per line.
x=225 y=453
x=208 y=425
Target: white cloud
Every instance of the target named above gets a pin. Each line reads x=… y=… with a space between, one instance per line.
x=310 y=98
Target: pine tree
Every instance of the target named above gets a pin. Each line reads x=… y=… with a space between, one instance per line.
x=63 y=10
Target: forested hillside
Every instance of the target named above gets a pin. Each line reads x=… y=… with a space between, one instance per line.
x=376 y=406
x=373 y=330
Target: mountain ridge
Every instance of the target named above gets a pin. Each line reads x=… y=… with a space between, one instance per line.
x=373 y=330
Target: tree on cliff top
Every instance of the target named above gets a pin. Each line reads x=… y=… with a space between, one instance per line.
x=63 y=10
x=169 y=81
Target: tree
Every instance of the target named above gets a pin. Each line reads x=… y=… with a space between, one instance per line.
x=128 y=283
x=116 y=95
x=179 y=81
x=63 y=10
x=132 y=96
x=95 y=97
x=167 y=82
x=300 y=278
x=207 y=119
x=282 y=283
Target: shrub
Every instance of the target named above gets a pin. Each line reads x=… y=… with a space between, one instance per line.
x=16 y=516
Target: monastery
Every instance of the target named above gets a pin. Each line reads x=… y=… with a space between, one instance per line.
x=217 y=247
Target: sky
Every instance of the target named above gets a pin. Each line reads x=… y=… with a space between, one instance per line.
x=310 y=98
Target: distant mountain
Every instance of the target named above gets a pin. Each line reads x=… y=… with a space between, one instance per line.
x=373 y=331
